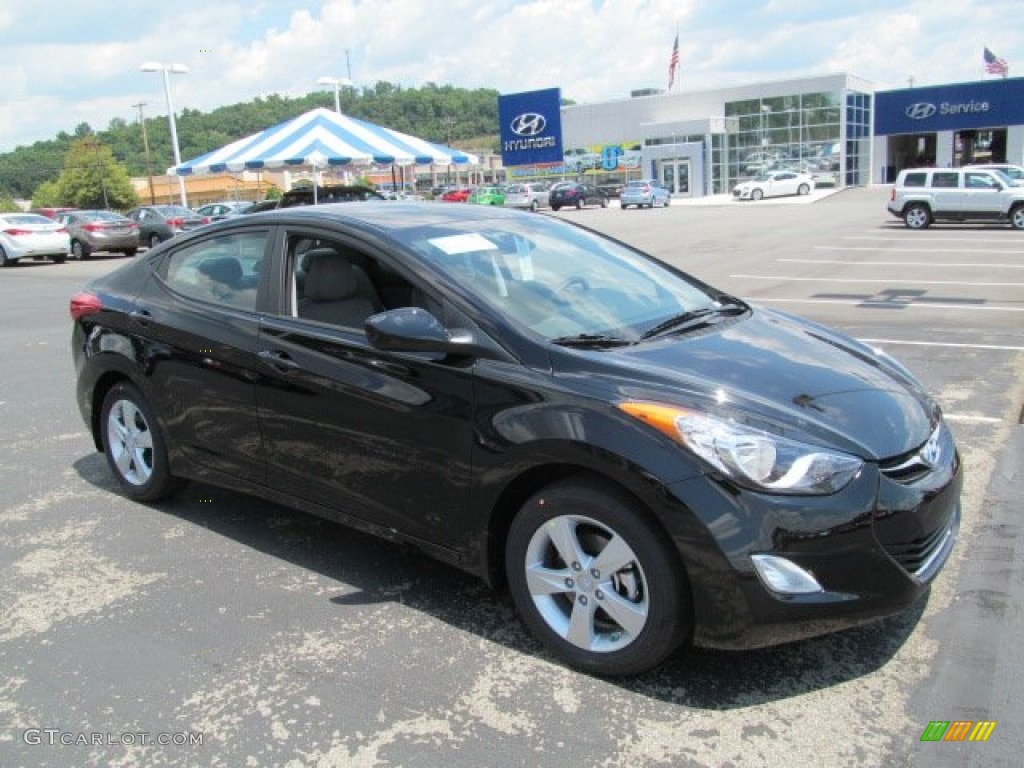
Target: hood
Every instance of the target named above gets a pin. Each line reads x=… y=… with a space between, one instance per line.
x=808 y=381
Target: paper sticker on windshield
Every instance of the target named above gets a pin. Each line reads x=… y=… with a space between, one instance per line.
x=454 y=244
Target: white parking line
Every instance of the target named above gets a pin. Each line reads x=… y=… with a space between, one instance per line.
x=932 y=264
x=888 y=303
x=875 y=280
x=924 y=249
x=967 y=417
x=886 y=238
x=951 y=344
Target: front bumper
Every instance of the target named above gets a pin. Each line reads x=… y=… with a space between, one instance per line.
x=874 y=547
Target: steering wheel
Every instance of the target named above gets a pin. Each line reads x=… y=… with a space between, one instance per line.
x=575 y=283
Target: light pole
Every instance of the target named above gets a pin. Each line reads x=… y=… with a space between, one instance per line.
x=178 y=69
x=337 y=82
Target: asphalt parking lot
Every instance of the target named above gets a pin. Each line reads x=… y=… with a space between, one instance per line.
x=278 y=639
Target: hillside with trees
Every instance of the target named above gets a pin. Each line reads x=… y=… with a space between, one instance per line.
x=442 y=114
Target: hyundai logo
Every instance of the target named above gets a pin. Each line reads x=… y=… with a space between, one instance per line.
x=932 y=450
x=921 y=111
x=528 y=124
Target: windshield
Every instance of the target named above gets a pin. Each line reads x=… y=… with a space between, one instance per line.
x=557 y=280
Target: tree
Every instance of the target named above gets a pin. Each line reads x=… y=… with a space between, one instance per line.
x=7 y=205
x=92 y=178
x=46 y=195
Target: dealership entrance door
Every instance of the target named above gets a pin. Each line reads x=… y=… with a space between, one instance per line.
x=675 y=176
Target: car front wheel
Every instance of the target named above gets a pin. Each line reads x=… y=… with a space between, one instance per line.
x=133 y=445
x=1017 y=217
x=803 y=189
x=79 y=251
x=757 y=194
x=917 y=217
x=595 y=581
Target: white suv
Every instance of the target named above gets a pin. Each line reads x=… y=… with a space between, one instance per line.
x=923 y=195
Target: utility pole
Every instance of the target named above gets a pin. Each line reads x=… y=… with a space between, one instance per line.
x=145 y=144
x=348 y=66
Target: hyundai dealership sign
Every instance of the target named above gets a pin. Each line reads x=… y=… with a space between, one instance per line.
x=985 y=104
x=531 y=127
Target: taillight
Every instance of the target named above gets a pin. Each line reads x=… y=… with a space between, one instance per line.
x=17 y=232
x=175 y=222
x=92 y=227
x=206 y=219
x=85 y=303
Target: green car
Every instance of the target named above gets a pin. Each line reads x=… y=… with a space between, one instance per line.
x=487 y=196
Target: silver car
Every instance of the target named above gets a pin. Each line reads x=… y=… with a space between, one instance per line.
x=644 y=193
x=100 y=231
x=532 y=196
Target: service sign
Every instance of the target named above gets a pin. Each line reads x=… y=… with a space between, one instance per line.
x=984 y=104
x=531 y=127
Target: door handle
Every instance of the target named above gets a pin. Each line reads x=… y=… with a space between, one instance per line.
x=277 y=359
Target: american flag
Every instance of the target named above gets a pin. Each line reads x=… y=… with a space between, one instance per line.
x=994 y=65
x=673 y=62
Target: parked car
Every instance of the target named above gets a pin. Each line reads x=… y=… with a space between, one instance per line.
x=262 y=205
x=531 y=195
x=645 y=192
x=577 y=195
x=50 y=213
x=486 y=196
x=921 y=196
x=457 y=195
x=644 y=459
x=1014 y=172
x=774 y=184
x=222 y=210
x=100 y=231
x=158 y=223
x=330 y=193
x=29 y=235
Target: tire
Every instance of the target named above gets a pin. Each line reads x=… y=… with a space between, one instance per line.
x=620 y=622
x=803 y=189
x=579 y=205
x=604 y=202
x=4 y=261
x=555 y=207
x=756 y=194
x=533 y=206
x=59 y=258
x=130 y=252
x=1017 y=217
x=154 y=240
x=134 y=446
x=917 y=216
x=79 y=251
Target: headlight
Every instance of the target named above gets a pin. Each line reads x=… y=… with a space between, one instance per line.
x=751 y=457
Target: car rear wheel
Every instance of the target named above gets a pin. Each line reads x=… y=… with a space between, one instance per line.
x=595 y=581
x=133 y=445
x=130 y=252
x=4 y=261
x=917 y=216
x=533 y=206
x=803 y=189
x=579 y=205
x=154 y=241
x=59 y=258
x=1017 y=217
x=78 y=250
x=604 y=202
x=757 y=194
x=555 y=207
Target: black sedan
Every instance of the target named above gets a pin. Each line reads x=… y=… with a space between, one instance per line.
x=645 y=461
x=576 y=195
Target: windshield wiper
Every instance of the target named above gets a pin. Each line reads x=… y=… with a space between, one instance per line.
x=596 y=340
x=696 y=318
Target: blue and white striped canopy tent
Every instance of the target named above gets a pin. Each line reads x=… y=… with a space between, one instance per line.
x=319 y=139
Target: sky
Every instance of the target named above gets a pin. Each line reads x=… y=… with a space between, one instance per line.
x=71 y=61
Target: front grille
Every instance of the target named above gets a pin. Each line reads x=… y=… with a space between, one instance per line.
x=913 y=466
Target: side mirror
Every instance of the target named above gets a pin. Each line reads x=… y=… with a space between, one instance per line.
x=411 y=329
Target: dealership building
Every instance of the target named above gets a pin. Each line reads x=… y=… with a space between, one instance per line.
x=836 y=127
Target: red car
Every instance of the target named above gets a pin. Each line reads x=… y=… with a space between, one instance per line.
x=456 y=195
